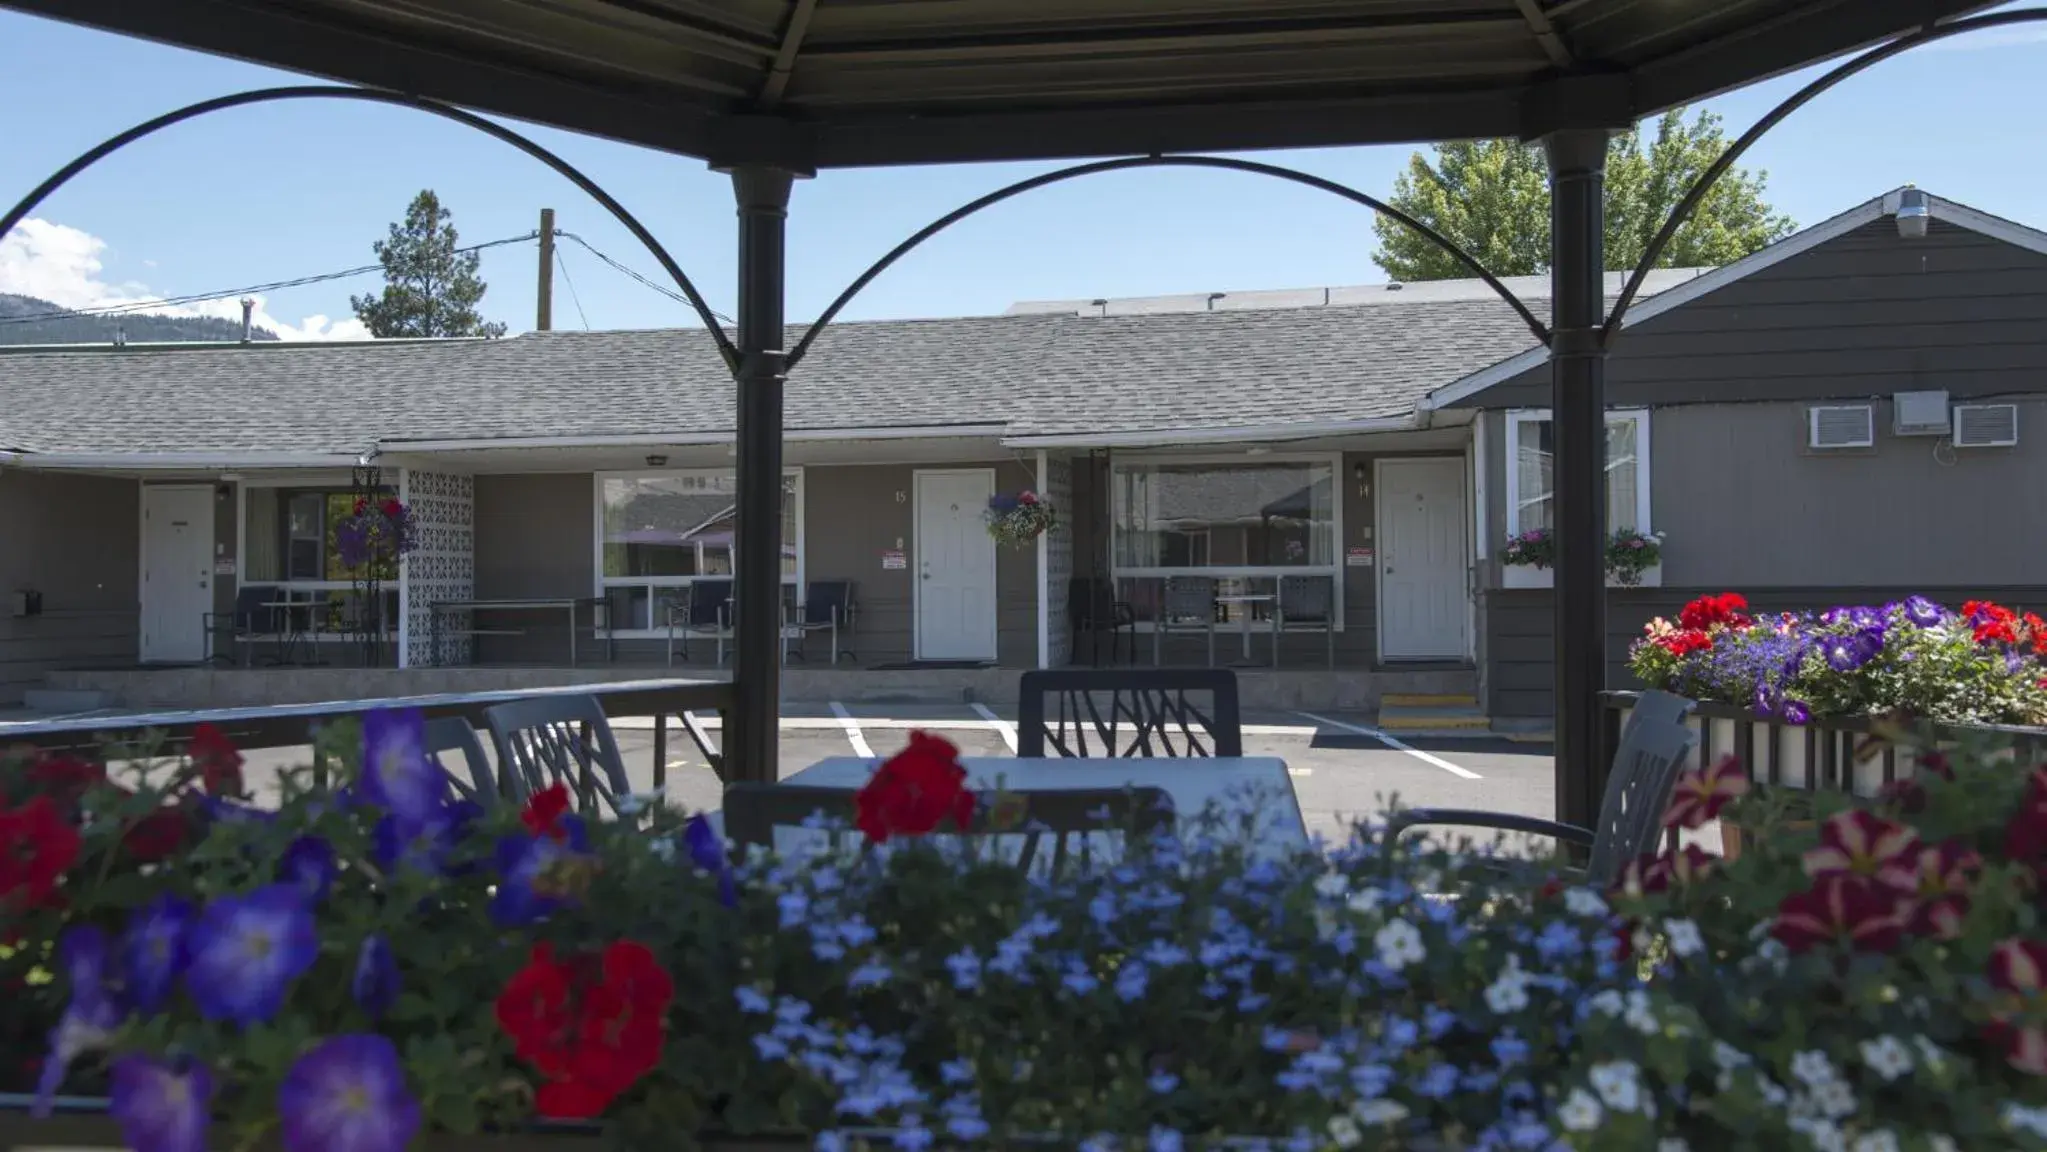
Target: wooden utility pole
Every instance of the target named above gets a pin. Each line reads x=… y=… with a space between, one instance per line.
x=545 y=320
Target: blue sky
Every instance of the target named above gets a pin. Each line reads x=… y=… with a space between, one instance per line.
x=270 y=193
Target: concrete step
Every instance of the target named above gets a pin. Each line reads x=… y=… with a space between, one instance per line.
x=1432 y=714
x=66 y=699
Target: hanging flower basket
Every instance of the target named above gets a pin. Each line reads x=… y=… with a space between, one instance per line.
x=1530 y=549
x=1019 y=519
x=377 y=533
x=1630 y=553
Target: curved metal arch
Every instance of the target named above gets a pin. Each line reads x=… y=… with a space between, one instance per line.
x=875 y=269
x=1799 y=99
x=569 y=171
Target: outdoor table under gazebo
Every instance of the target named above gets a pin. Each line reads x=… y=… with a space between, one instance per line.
x=776 y=90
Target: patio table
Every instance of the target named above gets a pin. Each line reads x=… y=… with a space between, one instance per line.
x=1278 y=827
x=567 y=603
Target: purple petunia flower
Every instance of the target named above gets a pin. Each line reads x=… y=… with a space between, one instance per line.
x=537 y=873
x=1923 y=612
x=1847 y=653
x=153 y=952
x=1795 y=712
x=89 y=1019
x=309 y=863
x=707 y=851
x=347 y=1094
x=161 y=1107
x=375 y=986
x=397 y=774
x=247 y=950
x=423 y=845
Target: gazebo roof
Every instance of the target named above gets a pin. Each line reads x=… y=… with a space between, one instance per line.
x=834 y=83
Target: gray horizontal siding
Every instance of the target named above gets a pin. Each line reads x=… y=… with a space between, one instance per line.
x=1520 y=635
x=75 y=539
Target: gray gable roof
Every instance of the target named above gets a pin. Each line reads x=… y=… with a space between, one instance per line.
x=1032 y=374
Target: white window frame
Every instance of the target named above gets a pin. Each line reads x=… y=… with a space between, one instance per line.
x=1333 y=569
x=327 y=482
x=600 y=582
x=1517 y=576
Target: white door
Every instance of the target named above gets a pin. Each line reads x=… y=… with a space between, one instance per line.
x=1422 y=564
x=177 y=572
x=955 y=587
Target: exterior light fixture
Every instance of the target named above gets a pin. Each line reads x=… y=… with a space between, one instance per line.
x=1913 y=213
x=657 y=461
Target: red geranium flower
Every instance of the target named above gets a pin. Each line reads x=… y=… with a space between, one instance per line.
x=1685 y=641
x=37 y=846
x=1842 y=906
x=392 y=509
x=914 y=791
x=1860 y=842
x=591 y=1026
x=158 y=836
x=544 y=810
x=1943 y=892
x=1728 y=608
x=1698 y=797
x=1992 y=622
x=218 y=760
x=64 y=779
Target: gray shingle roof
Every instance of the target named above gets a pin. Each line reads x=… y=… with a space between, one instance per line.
x=1035 y=374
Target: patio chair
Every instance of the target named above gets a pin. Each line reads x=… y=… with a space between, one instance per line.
x=1092 y=608
x=706 y=612
x=558 y=739
x=243 y=626
x=452 y=735
x=1306 y=604
x=617 y=608
x=1136 y=712
x=752 y=813
x=1638 y=786
x=828 y=605
x=1189 y=606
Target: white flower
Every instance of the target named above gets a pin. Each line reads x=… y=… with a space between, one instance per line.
x=1772 y=1092
x=1608 y=1003
x=1583 y=902
x=1887 y=1057
x=1580 y=1112
x=1331 y=885
x=1365 y=900
x=1834 y=1099
x=1379 y=1111
x=1812 y=1067
x=1399 y=944
x=1639 y=1015
x=1685 y=937
x=1930 y=1054
x=1942 y=1142
x=1618 y=1084
x=2019 y=1118
x=663 y=847
x=1509 y=993
x=1728 y=1056
x=1673 y=1144
x=1881 y=1140
x=1344 y=1131
x=1823 y=1135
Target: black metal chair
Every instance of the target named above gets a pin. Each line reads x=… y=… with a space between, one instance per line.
x=706 y=612
x=1306 y=604
x=453 y=735
x=1188 y=606
x=752 y=813
x=558 y=739
x=1645 y=768
x=827 y=605
x=1092 y=608
x=1138 y=712
x=248 y=621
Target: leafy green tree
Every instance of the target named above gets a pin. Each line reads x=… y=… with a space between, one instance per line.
x=430 y=287
x=1491 y=198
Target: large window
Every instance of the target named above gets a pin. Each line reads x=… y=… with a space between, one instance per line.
x=1531 y=471
x=289 y=545
x=658 y=533
x=1242 y=523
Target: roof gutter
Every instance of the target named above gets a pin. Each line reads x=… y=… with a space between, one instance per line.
x=692 y=439
x=1253 y=433
x=174 y=461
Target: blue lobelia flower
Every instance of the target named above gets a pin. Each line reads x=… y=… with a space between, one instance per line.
x=161 y=1107
x=246 y=951
x=309 y=863
x=397 y=774
x=89 y=1019
x=375 y=984
x=153 y=952
x=347 y=1094
x=707 y=851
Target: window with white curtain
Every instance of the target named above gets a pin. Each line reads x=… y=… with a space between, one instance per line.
x=1531 y=475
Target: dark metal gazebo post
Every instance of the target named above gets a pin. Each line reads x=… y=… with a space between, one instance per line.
x=750 y=739
x=1577 y=165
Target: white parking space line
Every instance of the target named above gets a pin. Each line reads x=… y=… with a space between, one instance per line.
x=1397 y=746
x=852 y=728
x=1007 y=729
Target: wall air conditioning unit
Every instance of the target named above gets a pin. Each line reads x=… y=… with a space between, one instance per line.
x=1986 y=426
x=1919 y=414
x=1828 y=427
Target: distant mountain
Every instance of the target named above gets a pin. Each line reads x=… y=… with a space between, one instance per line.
x=63 y=326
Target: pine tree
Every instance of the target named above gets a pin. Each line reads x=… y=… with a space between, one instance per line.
x=430 y=287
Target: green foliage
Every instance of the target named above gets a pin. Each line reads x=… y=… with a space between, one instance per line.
x=1491 y=198
x=430 y=289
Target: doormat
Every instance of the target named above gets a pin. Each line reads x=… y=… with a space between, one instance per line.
x=928 y=665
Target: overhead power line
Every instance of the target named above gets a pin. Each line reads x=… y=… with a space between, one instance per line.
x=657 y=286
x=234 y=293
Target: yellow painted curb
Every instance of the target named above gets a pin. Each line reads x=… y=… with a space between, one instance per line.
x=1399 y=700
x=1431 y=723
x=1531 y=737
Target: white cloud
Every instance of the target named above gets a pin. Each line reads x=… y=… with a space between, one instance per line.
x=63 y=265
